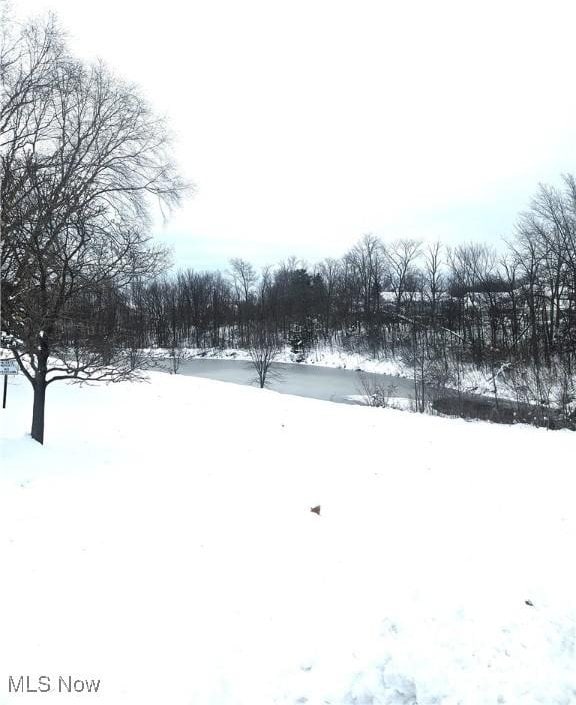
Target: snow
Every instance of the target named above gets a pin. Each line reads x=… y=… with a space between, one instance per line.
x=162 y=541
x=399 y=403
x=322 y=356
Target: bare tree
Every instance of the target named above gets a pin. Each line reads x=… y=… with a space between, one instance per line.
x=367 y=262
x=433 y=277
x=264 y=349
x=176 y=357
x=77 y=217
x=376 y=392
x=330 y=271
x=402 y=256
x=244 y=277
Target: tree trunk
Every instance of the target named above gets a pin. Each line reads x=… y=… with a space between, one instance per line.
x=39 y=385
x=38 y=410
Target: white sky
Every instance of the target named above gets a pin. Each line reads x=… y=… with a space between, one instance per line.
x=306 y=123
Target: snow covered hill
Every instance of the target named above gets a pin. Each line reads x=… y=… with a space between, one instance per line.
x=162 y=542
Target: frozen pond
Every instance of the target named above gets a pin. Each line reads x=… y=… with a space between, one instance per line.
x=330 y=384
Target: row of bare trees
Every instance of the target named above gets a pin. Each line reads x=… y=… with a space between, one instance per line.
x=519 y=302
x=82 y=159
x=439 y=308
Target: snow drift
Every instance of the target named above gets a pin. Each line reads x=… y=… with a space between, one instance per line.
x=162 y=542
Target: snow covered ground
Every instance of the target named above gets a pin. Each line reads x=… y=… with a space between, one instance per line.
x=162 y=542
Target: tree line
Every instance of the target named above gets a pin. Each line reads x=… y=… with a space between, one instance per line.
x=85 y=291
x=513 y=304
x=509 y=312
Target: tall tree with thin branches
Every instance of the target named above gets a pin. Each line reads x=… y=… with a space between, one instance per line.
x=79 y=180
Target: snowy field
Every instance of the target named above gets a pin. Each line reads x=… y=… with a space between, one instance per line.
x=162 y=542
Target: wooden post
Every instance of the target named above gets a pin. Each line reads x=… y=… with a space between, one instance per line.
x=5 y=390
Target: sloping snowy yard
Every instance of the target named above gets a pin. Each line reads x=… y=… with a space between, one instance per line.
x=162 y=542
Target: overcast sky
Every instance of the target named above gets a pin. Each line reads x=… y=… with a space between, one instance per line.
x=307 y=123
